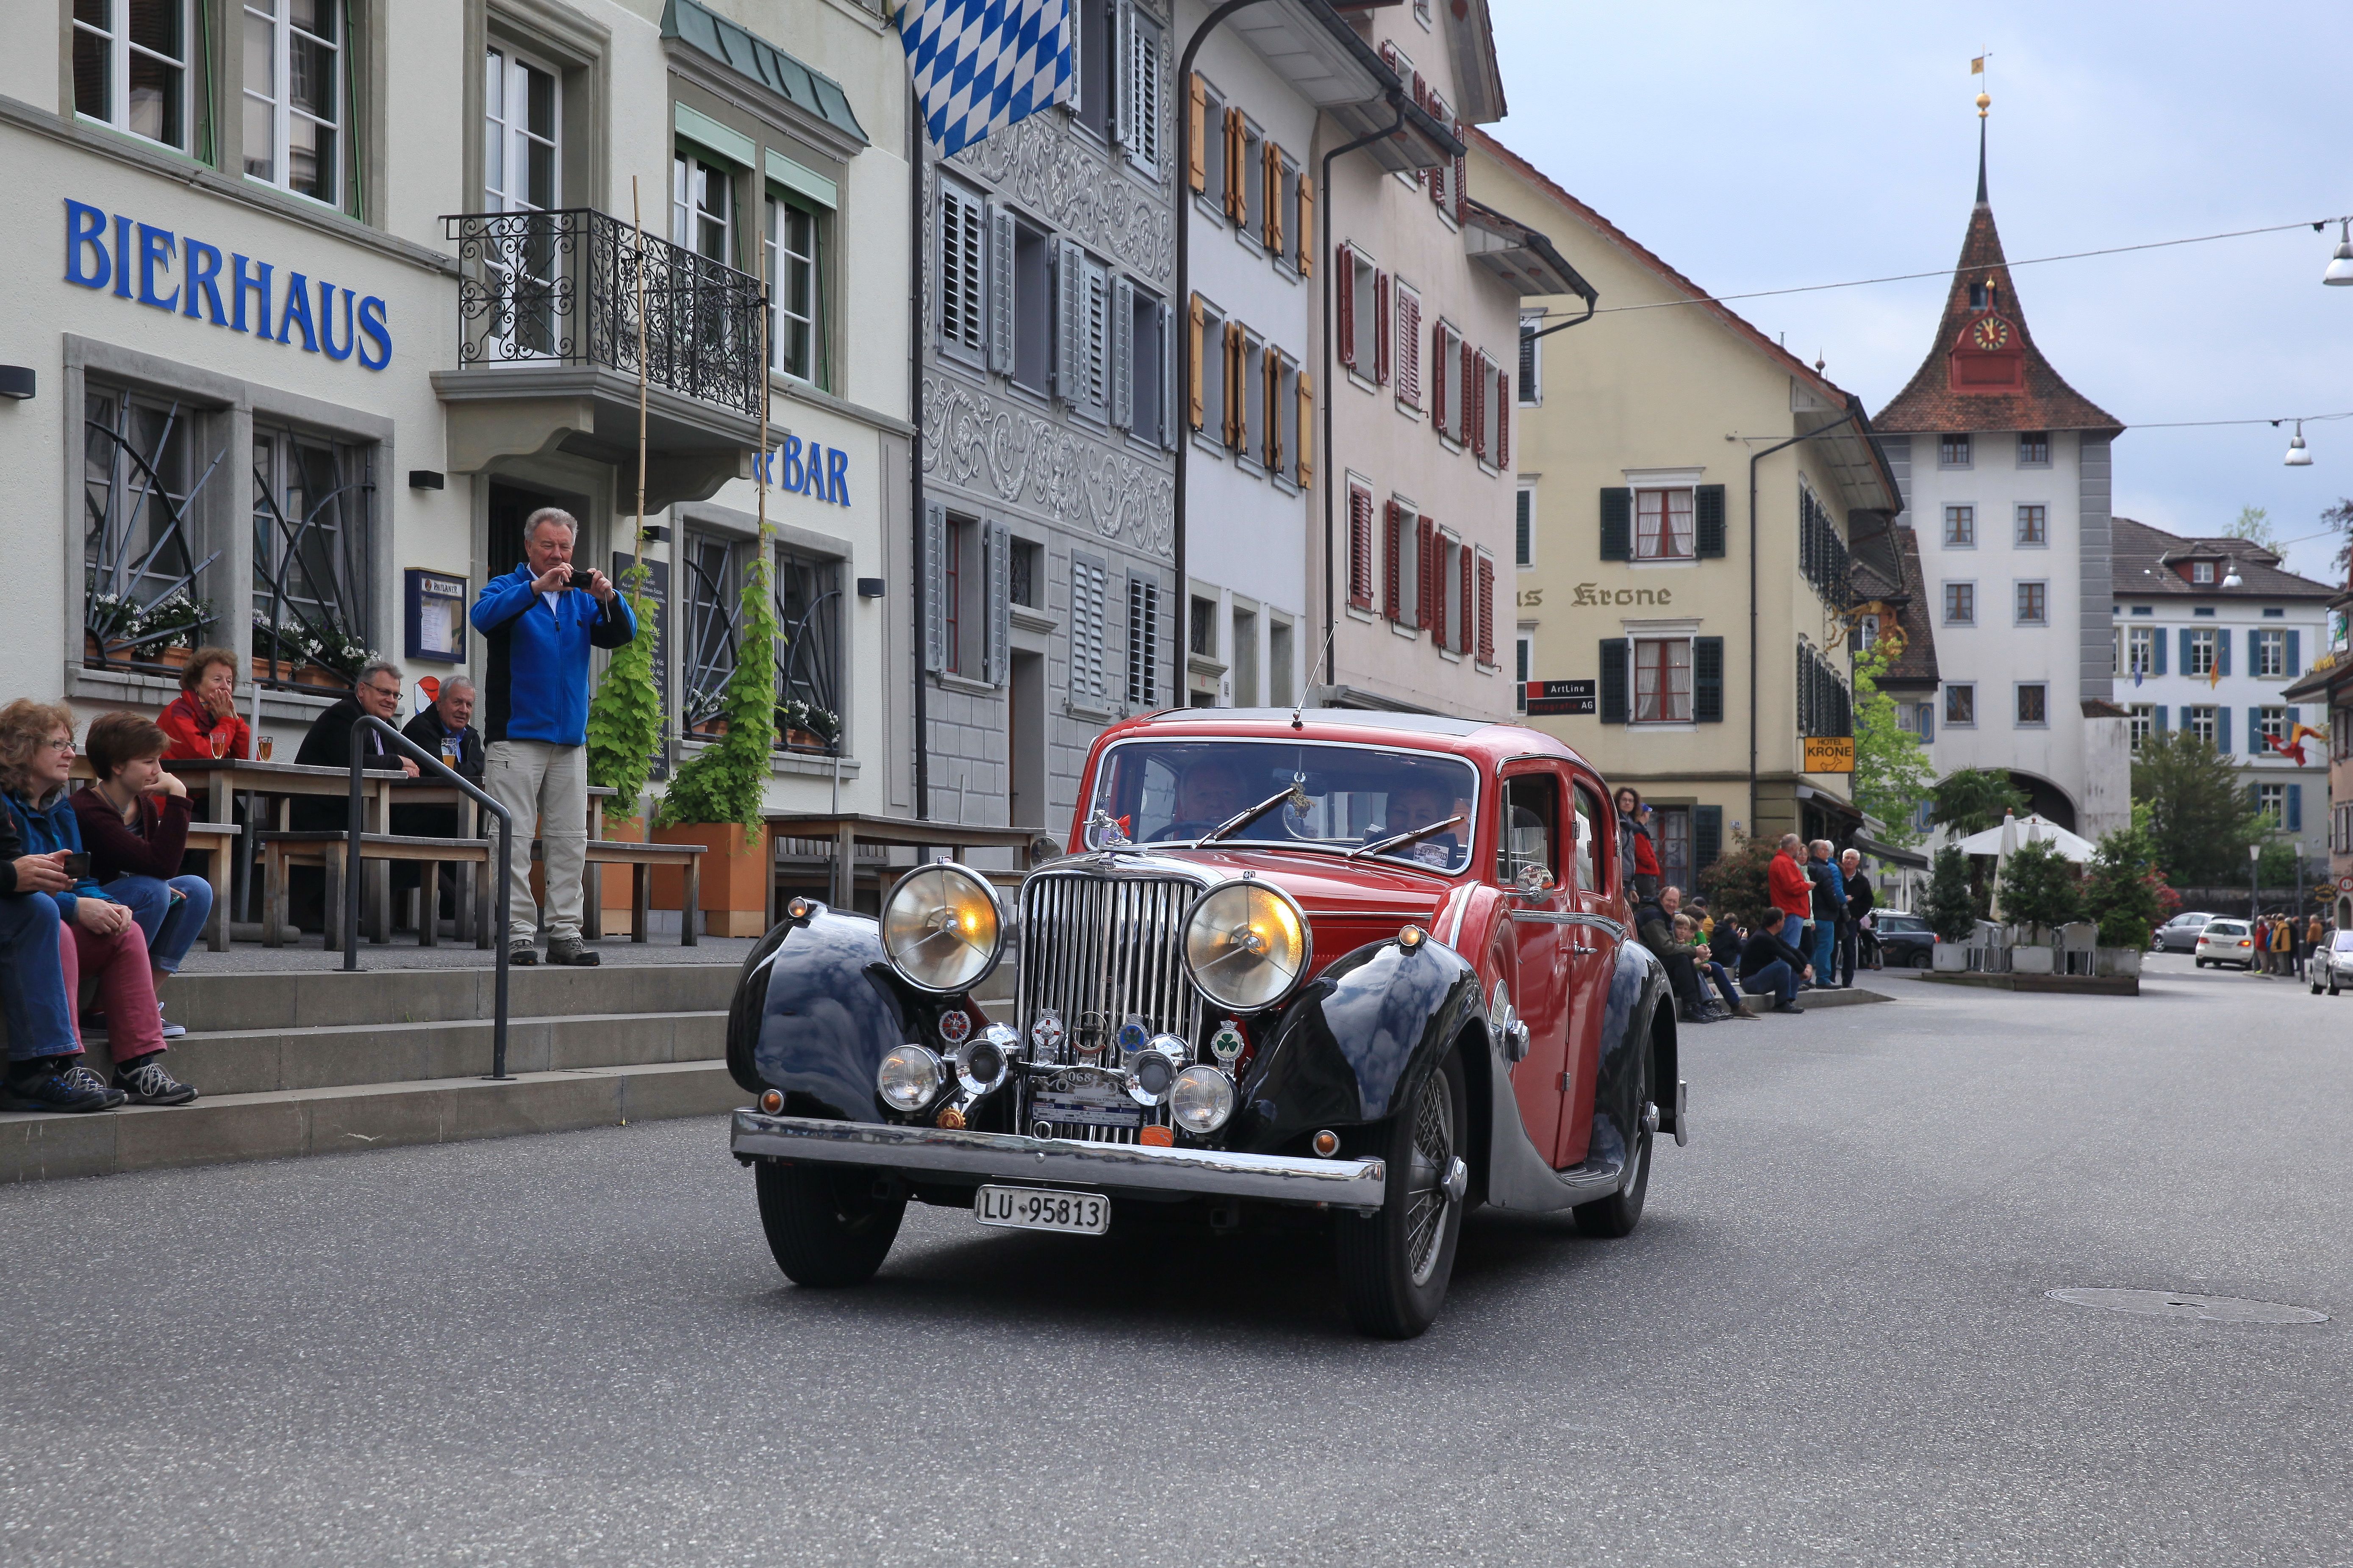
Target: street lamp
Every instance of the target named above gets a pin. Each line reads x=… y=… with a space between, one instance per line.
x=2340 y=265
x=2230 y=578
x=2297 y=456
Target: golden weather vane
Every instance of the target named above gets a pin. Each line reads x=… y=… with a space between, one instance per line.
x=1976 y=68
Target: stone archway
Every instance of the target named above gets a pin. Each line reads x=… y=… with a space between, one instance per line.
x=2045 y=799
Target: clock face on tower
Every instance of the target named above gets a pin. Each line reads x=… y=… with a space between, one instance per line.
x=1993 y=333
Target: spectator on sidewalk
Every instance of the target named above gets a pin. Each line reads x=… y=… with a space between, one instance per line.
x=1792 y=891
x=203 y=716
x=541 y=619
x=1829 y=910
x=2314 y=936
x=1655 y=924
x=375 y=694
x=445 y=727
x=1771 y=967
x=1859 y=901
x=1634 y=840
x=44 y=1071
x=99 y=939
x=1688 y=934
x=135 y=821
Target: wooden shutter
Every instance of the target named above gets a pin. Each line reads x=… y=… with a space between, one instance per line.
x=1193 y=410
x=1408 y=336
x=2221 y=648
x=1437 y=377
x=1469 y=383
x=1428 y=601
x=1306 y=475
x=1477 y=422
x=1466 y=636
x=1486 y=608
x=1392 y=563
x=1617 y=523
x=1707 y=836
x=1462 y=181
x=1360 y=547
x=1236 y=194
x=1707 y=680
x=1613 y=680
x=1503 y=418
x=1233 y=386
x=1306 y=225
x=997 y=539
x=1271 y=365
x=1122 y=401
x=1707 y=514
x=1070 y=355
x=1000 y=290
x=1197 y=153
x=1381 y=327
x=935 y=547
x=1343 y=299
x=2294 y=657
x=1271 y=156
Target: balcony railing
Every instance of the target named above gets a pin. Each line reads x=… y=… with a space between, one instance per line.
x=561 y=288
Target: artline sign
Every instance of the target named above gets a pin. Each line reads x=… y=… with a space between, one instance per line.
x=140 y=267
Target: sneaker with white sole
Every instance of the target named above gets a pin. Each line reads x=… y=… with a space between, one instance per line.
x=145 y=1081
x=171 y=1031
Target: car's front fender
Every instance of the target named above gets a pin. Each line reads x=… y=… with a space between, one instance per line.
x=817 y=1008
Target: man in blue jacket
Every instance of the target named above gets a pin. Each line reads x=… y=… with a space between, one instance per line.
x=540 y=620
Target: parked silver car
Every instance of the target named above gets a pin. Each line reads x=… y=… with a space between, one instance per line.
x=2179 y=934
x=2331 y=964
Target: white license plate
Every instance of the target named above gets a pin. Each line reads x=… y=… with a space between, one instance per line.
x=1042 y=1208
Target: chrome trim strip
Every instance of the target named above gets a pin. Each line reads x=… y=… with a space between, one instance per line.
x=1349 y=1184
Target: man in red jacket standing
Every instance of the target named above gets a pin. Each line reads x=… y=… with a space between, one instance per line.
x=1793 y=889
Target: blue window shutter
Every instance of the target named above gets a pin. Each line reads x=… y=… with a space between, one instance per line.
x=2295 y=655
x=2158 y=643
x=2160 y=717
x=2222 y=649
x=1927 y=722
x=2222 y=730
x=2295 y=808
x=2185 y=650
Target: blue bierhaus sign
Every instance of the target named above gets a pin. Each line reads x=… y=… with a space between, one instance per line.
x=155 y=267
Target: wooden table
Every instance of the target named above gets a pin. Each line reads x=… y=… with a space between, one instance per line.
x=849 y=829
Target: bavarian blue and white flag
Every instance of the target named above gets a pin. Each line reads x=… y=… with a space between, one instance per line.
x=980 y=64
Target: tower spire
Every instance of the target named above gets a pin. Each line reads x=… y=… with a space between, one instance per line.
x=1981 y=152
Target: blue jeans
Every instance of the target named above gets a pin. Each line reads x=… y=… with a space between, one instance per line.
x=1775 y=980
x=1723 y=978
x=1793 y=932
x=170 y=928
x=1825 y=935
x=32 y=984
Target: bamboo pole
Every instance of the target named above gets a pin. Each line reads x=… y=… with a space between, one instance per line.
x=638 y=222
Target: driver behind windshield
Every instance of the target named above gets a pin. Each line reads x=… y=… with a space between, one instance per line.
x=1419 y=806
x=1207 y=792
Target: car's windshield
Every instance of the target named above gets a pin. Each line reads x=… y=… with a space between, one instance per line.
x=2226 y=928
x=2345 y=942
x=1168 y=791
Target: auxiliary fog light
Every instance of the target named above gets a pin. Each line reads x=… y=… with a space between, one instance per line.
x=1201 y=1100
x=909 y=1078
x=1151 y=1071
x=982 y=1062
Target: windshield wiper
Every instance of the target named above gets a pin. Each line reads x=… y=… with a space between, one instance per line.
x=1242 y=819
x=1399 y=840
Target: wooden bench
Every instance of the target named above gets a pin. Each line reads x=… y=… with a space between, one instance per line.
x=329 y=850
x=219 y=840
x=641 y=860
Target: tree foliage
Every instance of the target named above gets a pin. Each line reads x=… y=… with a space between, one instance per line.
x=625 y=716
x=2124 y=890
x=1974 y=799
x=2253 y=524
x=1891 y=766
x=2200 y=820
x=1735 y=884
x=2338 y=520
x=2040 y=887
x=727 y=782
x=1950 y=909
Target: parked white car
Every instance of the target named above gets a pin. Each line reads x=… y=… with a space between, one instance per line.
x=2225 y=941
x=2331 y=964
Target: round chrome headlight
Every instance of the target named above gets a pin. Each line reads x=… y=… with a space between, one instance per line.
x=1247 y=946
x=1201 y=1100
x=982 y=1062
x=942 y=929
x=1152 y=1075
x=909 y=1078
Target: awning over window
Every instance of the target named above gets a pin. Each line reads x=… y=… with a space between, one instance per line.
x=756 y=57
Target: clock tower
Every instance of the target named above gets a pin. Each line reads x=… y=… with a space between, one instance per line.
x=2005 y=472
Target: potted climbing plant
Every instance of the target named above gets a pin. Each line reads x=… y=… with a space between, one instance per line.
x=625 y=730
x=716 y=797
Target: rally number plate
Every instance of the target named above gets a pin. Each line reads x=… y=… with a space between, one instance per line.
x=1042 y=1208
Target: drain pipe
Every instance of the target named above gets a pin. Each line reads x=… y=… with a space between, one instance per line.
x=1754 y=458
x=915 y=139
x=1182 y=610
x=1323 y=255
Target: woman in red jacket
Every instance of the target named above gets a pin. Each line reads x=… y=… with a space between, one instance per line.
x=1634 y=839
x=202 y=719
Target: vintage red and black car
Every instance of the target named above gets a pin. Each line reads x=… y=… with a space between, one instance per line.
x=1372 y=966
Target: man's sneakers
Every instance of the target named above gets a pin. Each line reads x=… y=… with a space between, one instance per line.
x=56 y=1084
x=81 y=1077
x=522 y=955
x=571 y=950
x=171 y=1031
x=1787 y=1008
x=145 y=1081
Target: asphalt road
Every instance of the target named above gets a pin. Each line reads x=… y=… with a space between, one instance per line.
x=1830 y=1342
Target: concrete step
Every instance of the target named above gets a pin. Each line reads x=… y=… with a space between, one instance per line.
x=256 y=1061
x=285 y=1122
x=307 y=999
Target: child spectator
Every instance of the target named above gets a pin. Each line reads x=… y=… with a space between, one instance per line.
x=135 y=821
x=204 y=715
x=99 y=940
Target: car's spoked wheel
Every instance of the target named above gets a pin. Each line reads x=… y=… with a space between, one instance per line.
x=1394 y=1265
x=825 y=1226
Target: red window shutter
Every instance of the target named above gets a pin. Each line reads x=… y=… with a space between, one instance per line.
x=1503 y=417
x=1438 y=378
x=1360 y=547
x=1427 y=599
x=1478 y=411
x=1486 y=610
x=1465 y=634
x=1381 y=328
x=1438 y=187
x=1469 y=385
x=1461 y=177
x=1393 y=567
x=1344 y=290
x=1408 y=336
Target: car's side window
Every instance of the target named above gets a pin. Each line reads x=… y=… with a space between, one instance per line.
x=1531 y=808
x=1589 y=841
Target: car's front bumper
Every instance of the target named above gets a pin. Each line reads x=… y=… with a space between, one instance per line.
x=922 y=1151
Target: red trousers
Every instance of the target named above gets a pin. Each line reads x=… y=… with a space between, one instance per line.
x=126 y=987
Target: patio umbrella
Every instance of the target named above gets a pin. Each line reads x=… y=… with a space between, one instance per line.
x=2005 y=845
x=2014 y=832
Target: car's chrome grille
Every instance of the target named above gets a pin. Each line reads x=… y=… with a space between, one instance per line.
x=1101 y=950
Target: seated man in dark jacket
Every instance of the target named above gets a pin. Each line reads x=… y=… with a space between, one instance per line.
x=1655 y=925
x=329 y=743
x=1769 y=965
x=445 y=729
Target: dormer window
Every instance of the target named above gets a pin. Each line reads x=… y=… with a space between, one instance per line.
x=2202 y=571
x=1983 y=295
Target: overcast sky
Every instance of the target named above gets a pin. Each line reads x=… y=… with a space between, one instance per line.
x=1761 y=147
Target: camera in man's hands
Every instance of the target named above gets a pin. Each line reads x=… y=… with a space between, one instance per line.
x=581 y=580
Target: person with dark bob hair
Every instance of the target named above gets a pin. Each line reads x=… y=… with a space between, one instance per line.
x=135 y=820
x=204 y=715
x=1637 y=853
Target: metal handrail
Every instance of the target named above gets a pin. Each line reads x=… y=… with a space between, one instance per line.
x=431 y=899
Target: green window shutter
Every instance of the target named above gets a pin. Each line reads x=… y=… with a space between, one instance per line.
x=1707 y=679
x=1616 y=525
x=1707 y=836
x=1613 y=680
x=1707 y=509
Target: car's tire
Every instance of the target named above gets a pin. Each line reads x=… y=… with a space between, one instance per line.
x=1394 y=1265
x=824 y=1225
x=1618 y=1215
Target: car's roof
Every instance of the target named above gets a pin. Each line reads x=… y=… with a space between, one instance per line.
x=2228 y=921
x=1491 y=740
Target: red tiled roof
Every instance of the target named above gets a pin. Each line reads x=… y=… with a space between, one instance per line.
x=1929 y=405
